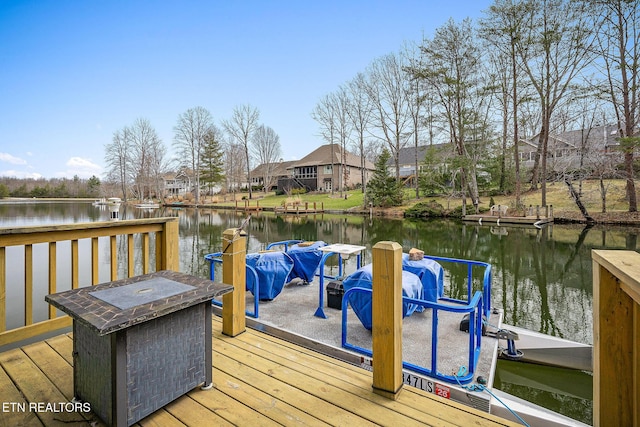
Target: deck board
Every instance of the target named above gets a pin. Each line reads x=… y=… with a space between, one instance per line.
x=344 y=385
x=36 y=387
x=12 y=396
x=259 y=380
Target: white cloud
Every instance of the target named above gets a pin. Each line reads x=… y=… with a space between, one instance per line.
x=20 y=174
x=8 y=158
x=84 y=168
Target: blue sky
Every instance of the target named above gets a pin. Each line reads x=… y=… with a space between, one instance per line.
x=74 y=72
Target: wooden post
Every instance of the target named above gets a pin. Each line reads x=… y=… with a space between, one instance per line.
x=616 y=338
x=386 y=319
x=169 y=241
x=234 y=273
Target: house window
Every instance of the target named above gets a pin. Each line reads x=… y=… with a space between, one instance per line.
x=305 y=172
x=328 y=169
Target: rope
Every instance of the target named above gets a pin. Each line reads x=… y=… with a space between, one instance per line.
x=479 y=388
x=237 y=233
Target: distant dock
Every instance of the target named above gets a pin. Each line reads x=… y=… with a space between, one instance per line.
x=247 y=206
x=536 y=216
x=300 y=208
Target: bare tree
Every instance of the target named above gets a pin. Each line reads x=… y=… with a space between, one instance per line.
x=158 y=167
x=417 y=100
x=501 y=28
x=452 y=60
x=267 y=151
x=189 y=140
x=360 y=115
x=553 y=48
x=118 y=159
x=146 y=153
x=387 y=90
x=325 y=114
x=618 y=39
x=234 y=163
x=343 y=132
x=241 y=127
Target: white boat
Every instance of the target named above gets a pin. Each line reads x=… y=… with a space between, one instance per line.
x=147 y=205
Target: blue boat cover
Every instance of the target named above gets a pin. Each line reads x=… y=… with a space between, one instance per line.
x=361 y=302
x=306 y=260
x=431 y=275
x=273 y=268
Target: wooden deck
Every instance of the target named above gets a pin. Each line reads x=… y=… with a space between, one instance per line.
x=258 y=380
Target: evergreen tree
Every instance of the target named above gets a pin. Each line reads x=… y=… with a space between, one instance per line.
x=93 y=186
x=212 y=169
x=383 y=190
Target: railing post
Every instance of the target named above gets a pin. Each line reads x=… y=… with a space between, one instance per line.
x=386 y=319
x=234 y=272
x=170 y=255
x=616 y=338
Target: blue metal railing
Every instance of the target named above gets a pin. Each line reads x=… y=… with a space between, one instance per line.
x=216 y=258
x=284 y=243
x=477 y=305
x=474 y=308
x=486 y=280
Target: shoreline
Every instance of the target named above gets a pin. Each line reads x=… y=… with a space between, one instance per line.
x=615 y=218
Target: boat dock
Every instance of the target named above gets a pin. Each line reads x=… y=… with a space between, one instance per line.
x=258 y=380
x=300 y=208
x=499 y=215
x=247 y=206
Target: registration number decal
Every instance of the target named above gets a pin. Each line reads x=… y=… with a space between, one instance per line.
x=414 y=380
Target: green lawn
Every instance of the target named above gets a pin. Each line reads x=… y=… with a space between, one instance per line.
x=557 y=195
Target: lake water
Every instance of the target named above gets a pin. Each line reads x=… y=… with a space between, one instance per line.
x=542 y=278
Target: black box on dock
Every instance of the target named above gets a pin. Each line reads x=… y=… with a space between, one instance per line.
x=335 y=291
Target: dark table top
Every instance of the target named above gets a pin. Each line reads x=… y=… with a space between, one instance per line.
x=112 y=306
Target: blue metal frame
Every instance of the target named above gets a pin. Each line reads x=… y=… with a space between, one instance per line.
x=320 y=310
x=216 y=257
x=478 y=304
x=486 y=280
x=475 y=334
x=285 y=243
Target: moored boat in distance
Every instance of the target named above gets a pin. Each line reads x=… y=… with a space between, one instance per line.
x=149 y=204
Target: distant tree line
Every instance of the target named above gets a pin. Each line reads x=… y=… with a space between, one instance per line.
x=527 y=68
x=210 y=155
x=51 y=188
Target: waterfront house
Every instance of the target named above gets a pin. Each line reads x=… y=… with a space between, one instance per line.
x=569 y=150
x=266 y=175
x=177 y=183
x=327 y=168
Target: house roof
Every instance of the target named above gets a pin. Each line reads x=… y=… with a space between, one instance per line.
x=406 y=155
x=323 y=156
x=280 y=168
x=602 y=136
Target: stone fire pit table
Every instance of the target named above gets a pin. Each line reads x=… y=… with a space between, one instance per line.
x=140 y=343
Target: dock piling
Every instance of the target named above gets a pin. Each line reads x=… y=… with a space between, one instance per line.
x=234 y=273
x=386 y=306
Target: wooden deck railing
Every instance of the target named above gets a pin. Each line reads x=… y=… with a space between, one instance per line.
x=616 y=338
x=164 y=230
